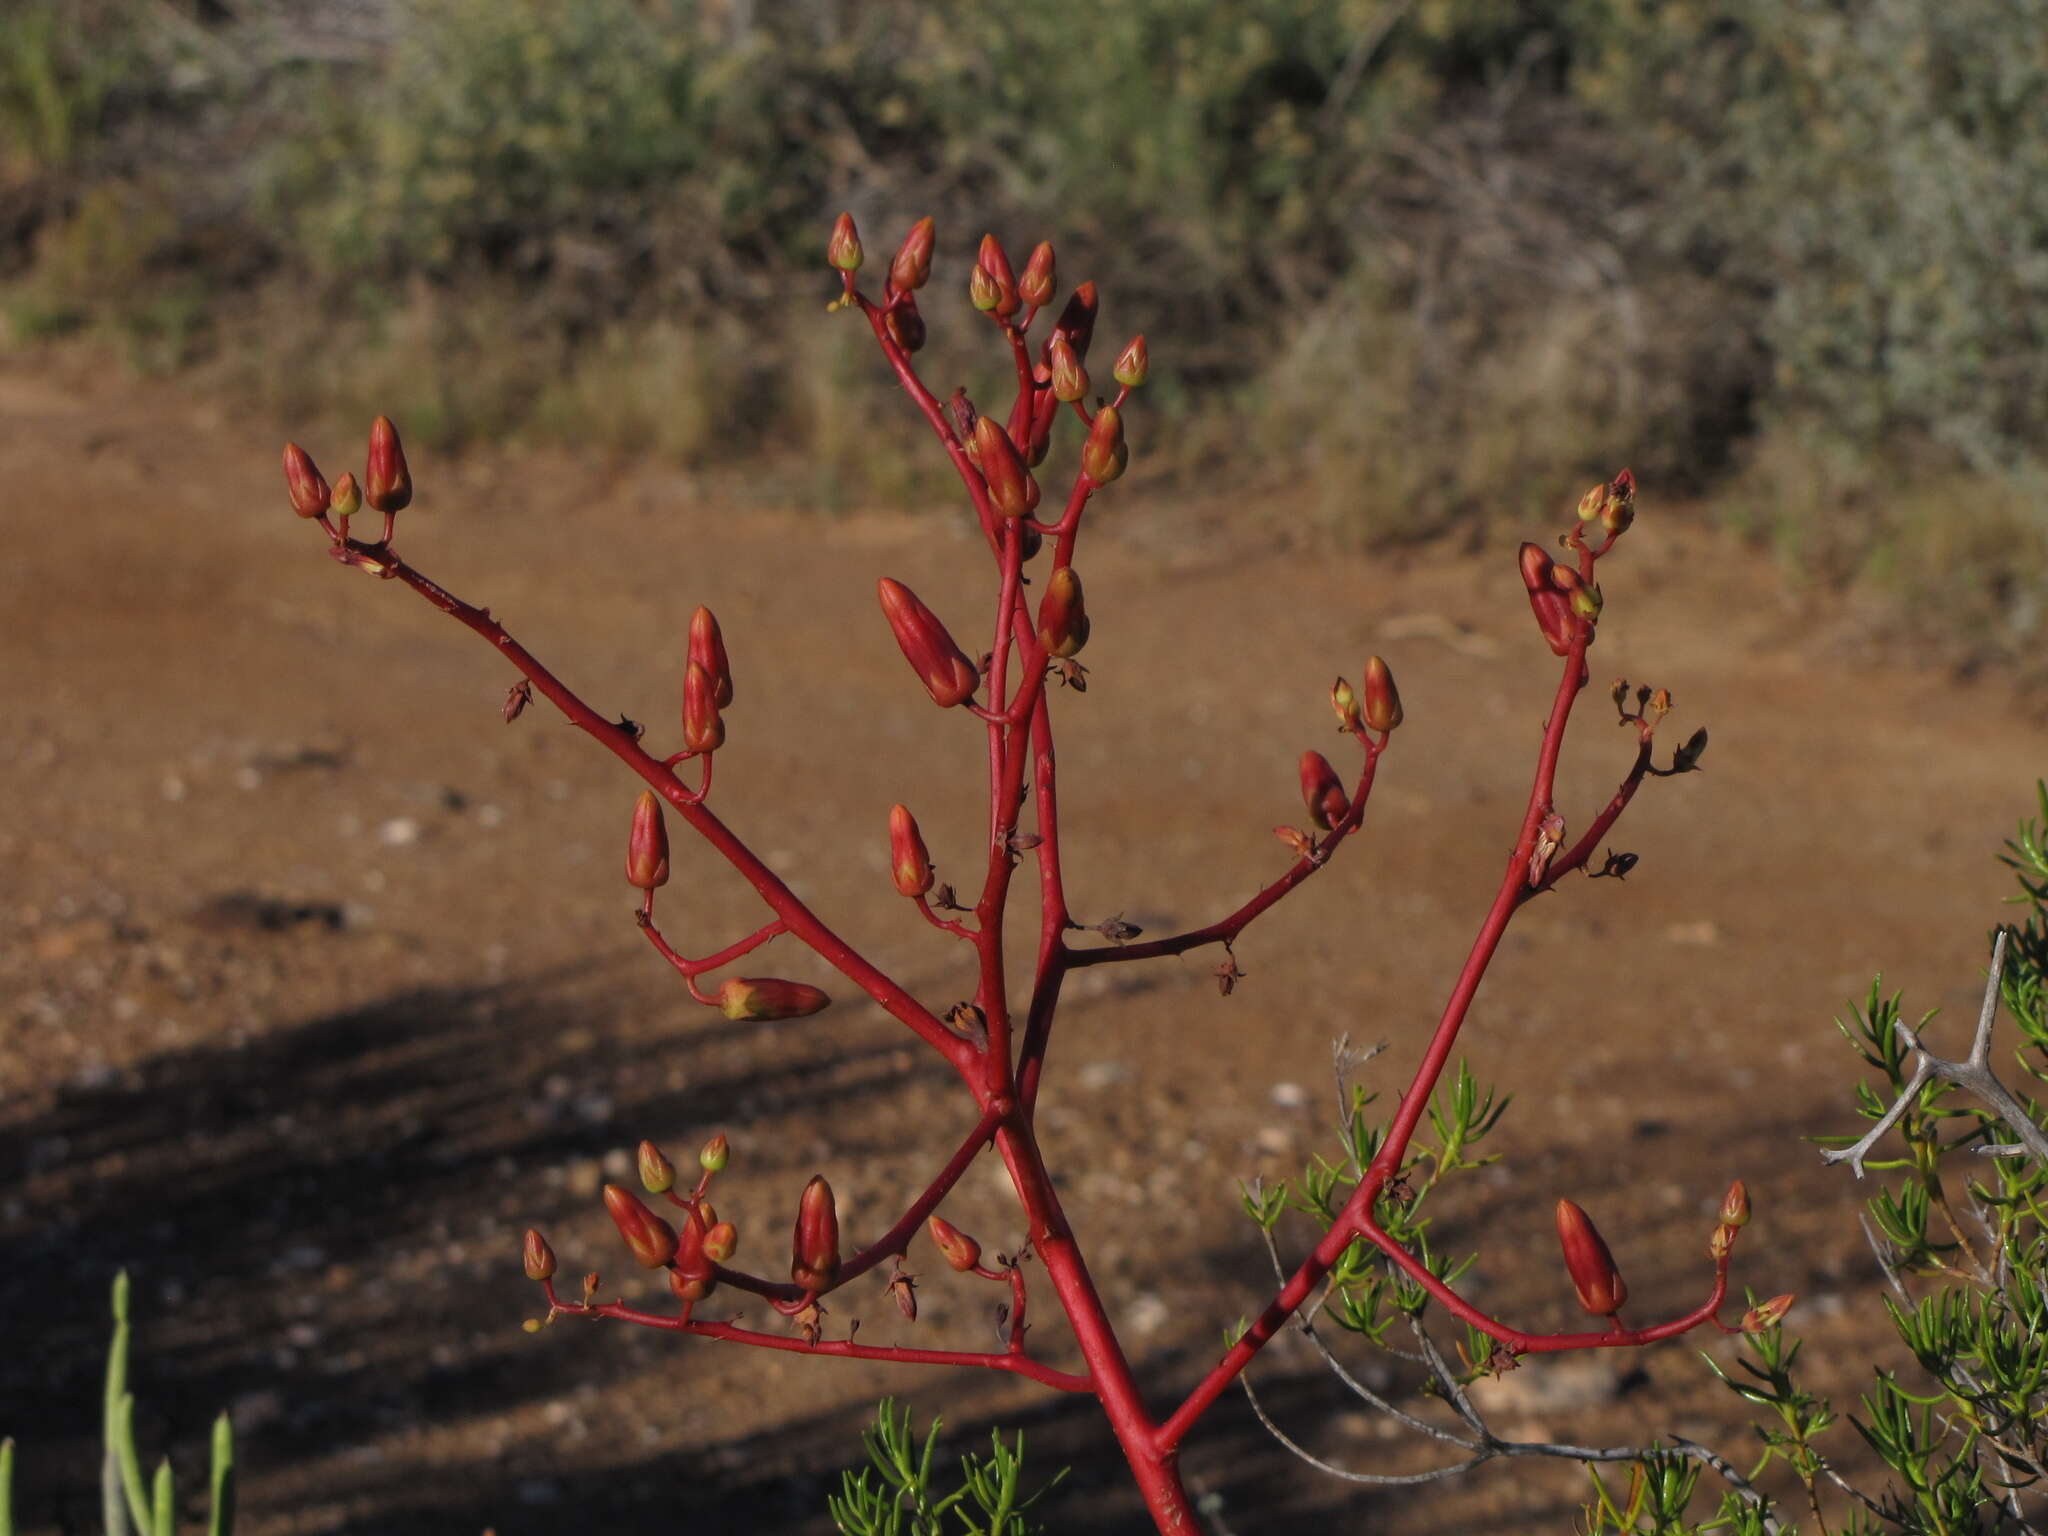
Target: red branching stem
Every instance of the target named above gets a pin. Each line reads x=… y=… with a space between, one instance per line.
x=1582 y=850
x=690 y=969
x=800 y=920
x=958 y=930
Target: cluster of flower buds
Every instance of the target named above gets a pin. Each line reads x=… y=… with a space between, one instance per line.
x=814 y=1245
x=1379 y=705
x=1561 y=599
x=1592 y=1268
x=707 y=685
x=386 y=485
x=948 y=676
x=910 y=866
x=959 y=1250
x=1613 y=504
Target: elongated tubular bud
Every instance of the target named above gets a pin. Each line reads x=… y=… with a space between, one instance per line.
x=1344 y=700
x=1037 y=286
x=814 y=1246
x=652 y=1240
x=1594 y=1276
x=1076 y=323
x=1382 y=699
x=905 y=326
x=843 y=248
x=387 y=483
x=948 y=676
x=647 y=846
x=1735 y=1205
x=768 y=998
x=1553 y=612
x=657 y=1173
x=1069 y=378
x=539 y=1257
x=912 y=264
x=302 y=478
x=1009 y=482
x=910 y=866
x=348 y=496
x=707 y=649
x=1105 y=454
x=1767 y=1315
x=1133 y=364
x=1322 y=791
x=703 y=730
x=996 y=263
x=1062 y=614
x=714 y=1154
x=956 y=1247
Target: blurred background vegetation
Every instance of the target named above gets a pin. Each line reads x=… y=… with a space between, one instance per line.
x=1407 y=265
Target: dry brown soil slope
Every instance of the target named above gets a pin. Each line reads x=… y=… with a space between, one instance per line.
x=320 y=982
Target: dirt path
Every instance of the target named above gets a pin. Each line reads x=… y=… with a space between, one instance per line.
x=320 y=983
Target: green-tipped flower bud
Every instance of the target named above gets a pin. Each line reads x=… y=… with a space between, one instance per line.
x=959 y=1250
x=1133 y=364
x=910 y=866
x=913 y=260
x=703 y=729
x=767 y=998
x=1591 y=503
x=387 y=482
x=707 y=649
x=302 y=478
x=1767 y=1315
x=1735 y=1205
x=1105 y=454
x=948 y=676
x=843 y=249
x=657 y=1173
x=1037 y=285
x=714 y=1154
x=540 y=1258
x=348 y=496
x=983 y=292
x=1594 y=1276
x=1345 y=702
x=647 y=845
x=652 y=1240
x=1382 y=709
x=814 y=1246
x=1069 y=378
x=1322 y=791
x=1062 y=615
x=992 y=260
x=1009 y=482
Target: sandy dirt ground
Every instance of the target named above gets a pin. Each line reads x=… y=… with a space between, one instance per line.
x=318 y=983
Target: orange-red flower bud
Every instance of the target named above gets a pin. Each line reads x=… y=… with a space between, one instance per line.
x=768 y=998
x=721 y=1242
x=1105 y=454
x=1037 y=285
x=1553 y=612
x=1009 y=482
x=703 y=729
x=1345 y=702
x=909 y=864
x=1062 y=615
x=1591 y=503
x=647 y=846
x=1133 y=364
x=652 y=1240
x=714 y=1154
x=983 y=292
x=913 y=261
x=1076 y=323
x=302 y=478
x=347 y=500
x=1768 y=1314
x=707 y=649
x=948 y=676
x=993 y=261
x=1069 y=378
x=540 y=1258
x=842 y=249
x=657 y=1173
x=1735 y=1205
x=387 y=483
x=814 y=1246
x=1322 y=791
x=956 y=1247
x=1382 y=709
x=1594 y=1277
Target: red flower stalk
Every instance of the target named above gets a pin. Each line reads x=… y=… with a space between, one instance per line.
x=843 y=248
x=1546 y=601
x=913 y=261
x=1105 y=454
x=994 y=264
x=1382 y=699
x=767 y=998
x=703 y=729
x=540 y=1258
x=1594 y=1276
x=707 y=649
x=1133 y=364
x=955 y=1246
x=308 y=487
x=909 y=864
x=948 y=676
x=657 y=1173
x=814 y=1246
x=1322 y=791
x=1011 y=490
x=1069 y=379
x=714 y=1154
x=387 y=483
x=1037 y=285
x=652 y=1240
x=1062 y=616
x=647 y=846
